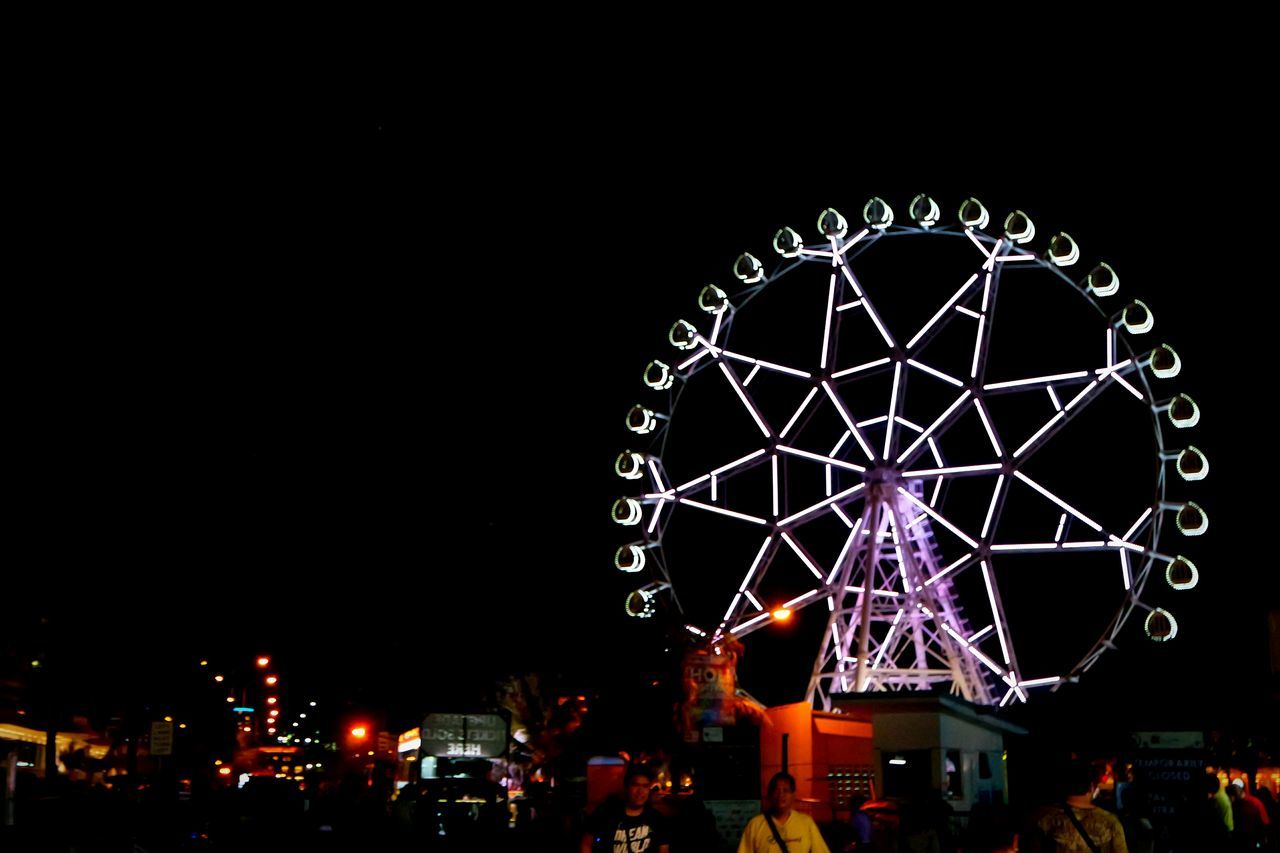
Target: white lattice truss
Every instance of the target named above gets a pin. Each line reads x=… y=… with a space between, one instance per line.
x=894 y=620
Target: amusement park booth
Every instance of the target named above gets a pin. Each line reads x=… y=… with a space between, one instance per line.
x=887 y=745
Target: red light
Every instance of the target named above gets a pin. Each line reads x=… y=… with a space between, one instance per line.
x=782 y=614
x=359 y=732
x=264 y=662
x=271 y=679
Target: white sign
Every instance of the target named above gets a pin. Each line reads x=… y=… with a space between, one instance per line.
x=161 y=738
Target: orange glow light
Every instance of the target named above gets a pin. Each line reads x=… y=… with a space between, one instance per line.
x=782 y=614
x=264 y=662
x=248 y=728
x=359 y=732
x=231 y=698
x=271 y=679
x=224 y=771
x=271 y=700
x=273 y=712
x=218 y=678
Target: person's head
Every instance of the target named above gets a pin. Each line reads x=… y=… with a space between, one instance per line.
x=782 y=791
x=1236 y=789
x=1080 y=779
x=1212 y=784
x=636 y=785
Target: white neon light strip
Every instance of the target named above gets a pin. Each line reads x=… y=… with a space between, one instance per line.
x=873 y=421
x=742 y=395
x=1134 y=391
x=727 y=512
x=986 y=293
x=913 y=522
x=1124 y=570
x=1061 y=503
x=973 y=638
x=937 y=490
x=752 y=599
x=1077 y=398
x=1053 y=398
x=977 y=346
x=715 y=329
x=836 y=497
x=734 y=464
x=1110 y=347
x=980 y=656
x=1089 y=544
x=1057 y=537
x=845 y=307
x=693 y=483
x=1030 y=441
x=1114 y=368
x=995 y=611
x=826 y=329
x=937 y=455
x=835 y=634
x=908 y=424
x=740 y=357
x=715 y=350
x=893 y=408
x=748 y=623
x=1008 y=694
x=714 y=479
x=864 y=232
x=936 y=517
x=1007 y=258
x=774 y=465
x=888 y=636
x=990 y=263
x=859 y=368
x=991 y=508
x=657 y=478
x=826 y=470
x=977 y=242
x=796 y=416
x=847 y=521
x=733 y=606
x=938 y=373
x=848 y=421
x=696 y=631
x=755 y=564
x=669 y=495
x=688 y=361
x=986 y=423
x=752 y=375
x=942 y=311
x=957 y=469
x=854 y=284
x=840 y=443
x=817 y=457
x=1137 y=524
x=816 y=252
x=853 y=534
x=1040 y=682
x=653 y=523
x=808 y=594
x=1036 y=380
x=968 y=312
x=804 y=558
x=924 y=435
x=781 y=369
x=1027 y=546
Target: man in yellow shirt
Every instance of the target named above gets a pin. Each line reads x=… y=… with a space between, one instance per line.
x=795 y=830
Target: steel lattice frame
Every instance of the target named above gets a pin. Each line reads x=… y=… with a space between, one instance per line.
x=894 y=619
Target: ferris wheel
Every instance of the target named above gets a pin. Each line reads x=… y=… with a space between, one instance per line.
x=935 y=485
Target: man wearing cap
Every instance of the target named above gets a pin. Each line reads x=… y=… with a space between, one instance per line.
x=1249 y=815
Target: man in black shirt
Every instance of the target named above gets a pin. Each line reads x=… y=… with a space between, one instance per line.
x=630 y=825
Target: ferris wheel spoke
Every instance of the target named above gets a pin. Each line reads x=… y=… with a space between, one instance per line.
x=942 y=312
x=866 y=303
x=747 y=402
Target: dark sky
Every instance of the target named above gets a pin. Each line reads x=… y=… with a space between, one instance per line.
x=345 y=381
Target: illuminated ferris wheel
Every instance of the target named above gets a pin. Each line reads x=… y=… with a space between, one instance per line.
x=881 y=450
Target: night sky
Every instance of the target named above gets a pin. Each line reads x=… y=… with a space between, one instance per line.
x=345 y=383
